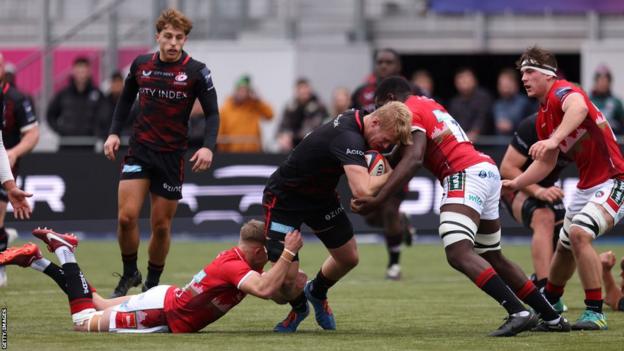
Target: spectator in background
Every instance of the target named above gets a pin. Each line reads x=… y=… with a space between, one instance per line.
x=511 y=106
x=472 y=106
x=423 y=80
x=387 y=63
x=77 y=109
x=341 y=101
x=110 y=101
x=302 y=115
x=607 y=103
x=240 y=119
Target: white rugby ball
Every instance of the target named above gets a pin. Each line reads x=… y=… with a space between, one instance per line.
x=377 y=164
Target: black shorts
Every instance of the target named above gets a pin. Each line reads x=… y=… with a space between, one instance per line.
x=165 y=170
x=530 y=205
x=330 y=224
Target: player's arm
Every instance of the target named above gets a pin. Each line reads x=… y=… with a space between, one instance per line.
x=17 y=197
x=265 y=285
x=412 y=158
x=537 y=171
x=361 y=182
x=207 y=97
x=29 y=131
x=121 y=113
x=575 y=111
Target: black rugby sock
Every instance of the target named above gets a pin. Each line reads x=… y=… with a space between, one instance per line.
x=299 y=304
x=56 y=273
x=494 y=286
x=531 y=296
x=129 y=264
x=320 y=285
x=4 y=239
x=153 y=274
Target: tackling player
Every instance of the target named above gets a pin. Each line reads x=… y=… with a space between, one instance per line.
x=469 y=219
x=614 y=295
x=538 y=206
x=303 y=190
x=212 y=292
x=569 y=123
x=20 y=133
x=167 y=82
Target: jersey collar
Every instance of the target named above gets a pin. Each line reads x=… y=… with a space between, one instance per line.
x=184 y=59
x=6 y=87
x=359 y=120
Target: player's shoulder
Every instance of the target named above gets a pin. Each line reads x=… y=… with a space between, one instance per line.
x=145 y=58
x=14 y=94
x=196 y=65
x=562 y=88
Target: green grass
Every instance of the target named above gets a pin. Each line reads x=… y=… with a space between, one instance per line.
x=432 y=308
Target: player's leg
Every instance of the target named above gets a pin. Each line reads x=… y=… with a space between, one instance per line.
x=103 y=303
x=131 y=194
x=277 y=224
x=335 y=230
x=613 y=294
x=542 y=224
x=393 y=233
x=162 y=212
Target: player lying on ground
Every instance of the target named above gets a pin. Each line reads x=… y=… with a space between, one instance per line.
x=469 y=220
x=211 y=293
x=614 y=295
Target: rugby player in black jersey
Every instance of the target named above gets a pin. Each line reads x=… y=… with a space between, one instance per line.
x=538 y=207
x=20 y=134
x=168 y=82
x=303 y=190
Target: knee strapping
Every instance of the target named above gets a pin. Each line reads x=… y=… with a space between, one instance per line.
x=487 y=242
x=591 y=219
x=455 y=227
x=564 y=234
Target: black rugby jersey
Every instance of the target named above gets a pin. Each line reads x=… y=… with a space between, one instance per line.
x=18 y=116
x=167 y=91
x=523 y=138
x=309 y=176
x=3 y=90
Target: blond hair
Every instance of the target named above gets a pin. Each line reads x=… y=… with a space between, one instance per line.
x=396 y=117
x=253 y=232
x=176 y=19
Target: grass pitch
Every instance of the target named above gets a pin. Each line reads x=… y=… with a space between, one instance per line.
x=432 y=308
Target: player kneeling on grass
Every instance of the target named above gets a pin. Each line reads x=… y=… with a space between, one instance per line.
x=211 y=293
x=469 y=221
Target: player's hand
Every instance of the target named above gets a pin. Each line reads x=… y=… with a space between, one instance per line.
x=293 y=241
x=509 y=185
x=539 y=149
x=21 y=207
x=608 y=260
x=364 y=205
x=111 y=146
x=12 y=157
x=202 y=159
x=550 y=194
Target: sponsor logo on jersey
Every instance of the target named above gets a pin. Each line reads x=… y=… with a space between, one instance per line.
x=354 y=152
x=131 y=169
x=337 y=121
x=475 y=199
x=616 y=198
x=163 y=93
x=334 y=213
x=562 y=92
x=181 y=77
x=456 y=184
x=482 y=174
x=146 y=73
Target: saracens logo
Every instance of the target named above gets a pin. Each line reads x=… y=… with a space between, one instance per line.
x=181 y=77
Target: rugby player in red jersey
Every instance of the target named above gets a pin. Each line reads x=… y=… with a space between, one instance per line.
x=167 y=82
x=569 y=122
x=469 y=219
x=217 y=288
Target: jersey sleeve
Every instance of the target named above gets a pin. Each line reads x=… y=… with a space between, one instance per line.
x=562 y=93
x=235 y=272
x=124 y=104
x=26 y=118
x=417 y=123
x=207 y=96
x=525 y=136
x=349 y=148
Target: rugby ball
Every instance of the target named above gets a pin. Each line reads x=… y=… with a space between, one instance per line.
x=377 y=164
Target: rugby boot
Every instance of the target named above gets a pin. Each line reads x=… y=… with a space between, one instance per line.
x=55 y=240
x=20 y=256
x=590 y=320
x=291 y=322
x=561 y=326
x=515 y=324
x=322 y=311
x=125 y=283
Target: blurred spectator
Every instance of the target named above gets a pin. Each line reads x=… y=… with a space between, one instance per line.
x=77 y=109
x=511 y=106
x=302 y=115
x=607 y=103
x=341 y=101
x=9 y=77
x=110 y=101
x=240 y=119
x=387 y=63
x=472 y=106
x=423 y=80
